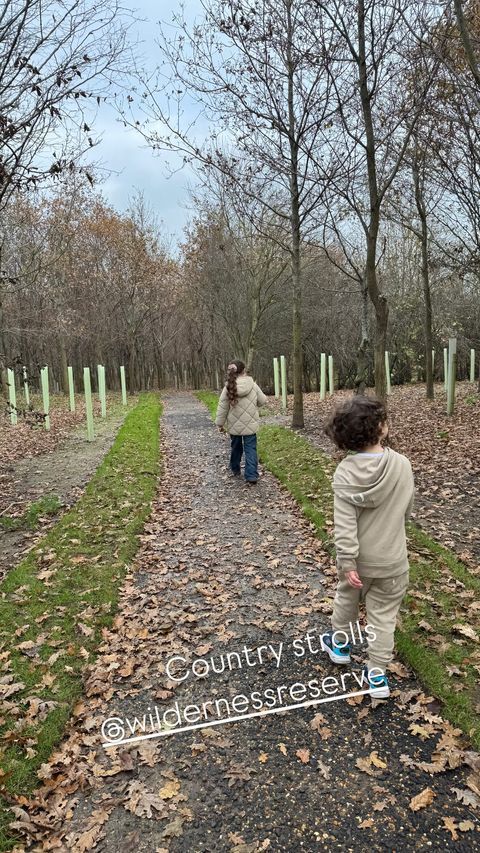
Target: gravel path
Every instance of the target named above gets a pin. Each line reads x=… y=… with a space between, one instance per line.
x=223 y=566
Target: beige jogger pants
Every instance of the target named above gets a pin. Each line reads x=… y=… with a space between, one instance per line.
x=383 y=597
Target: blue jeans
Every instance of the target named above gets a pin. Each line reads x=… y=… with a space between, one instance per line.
x=247 y=444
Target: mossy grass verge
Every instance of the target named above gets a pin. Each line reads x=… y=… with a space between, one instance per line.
x=210 y=399
x=46 y=505
x=441 y=587
x=55 y=603
x=294 y=462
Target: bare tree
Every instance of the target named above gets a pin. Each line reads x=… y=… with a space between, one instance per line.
x=376 y=114
x=469 y=29
x=242 y=269
x=55 y=60
x=254 y=72
x=419 y=175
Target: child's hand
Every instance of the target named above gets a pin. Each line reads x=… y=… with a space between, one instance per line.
x=221 y=429
x=354 y=580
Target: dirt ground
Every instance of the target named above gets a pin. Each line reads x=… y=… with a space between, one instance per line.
x=223 y=566
x=63 y=471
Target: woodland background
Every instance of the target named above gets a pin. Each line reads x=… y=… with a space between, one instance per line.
x=340 y=188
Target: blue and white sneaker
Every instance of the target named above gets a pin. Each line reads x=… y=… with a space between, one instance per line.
x=337 y=654
x=378 y=684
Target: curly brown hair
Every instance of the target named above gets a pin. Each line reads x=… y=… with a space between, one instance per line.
x=235 y=368
x=357 y=423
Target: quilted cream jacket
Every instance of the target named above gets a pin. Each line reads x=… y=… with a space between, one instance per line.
x=243 y=418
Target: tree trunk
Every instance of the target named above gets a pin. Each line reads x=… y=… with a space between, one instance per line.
x=131 y=369
x=297 y=420
x=428 y=314
x=427 y=320
x=381 y=315
x=362 y=355
x=159 y=368
x=3 y=354
x=378 y=299
x=63 y=363
x=252 y=342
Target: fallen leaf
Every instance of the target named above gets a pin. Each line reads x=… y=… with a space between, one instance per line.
x=90 y=838
x=141 y=801
x=454 y=670
x=421 y=800
x=355 y=700
x=422 y=733
x=126 y=670
x=174 y=829
x=466 y=631
x=318 y=721
x=378 y=762
x=323 y=769
x=303 y=755
x=169 y=790
x=325 y=732
x=365 y=765
x=449 y=823
x=473 y=782
x=466 y=825
x=468 y=798
x=147 y=752
x=398 y=669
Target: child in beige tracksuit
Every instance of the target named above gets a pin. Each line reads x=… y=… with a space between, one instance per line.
x=373 y=498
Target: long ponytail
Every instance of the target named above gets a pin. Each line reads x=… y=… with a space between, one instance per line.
x=235 y=368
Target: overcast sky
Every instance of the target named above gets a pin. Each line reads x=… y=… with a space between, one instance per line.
x=135 y=166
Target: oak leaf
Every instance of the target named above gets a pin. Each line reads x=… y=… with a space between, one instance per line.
x=421 y=800
x=169 y=790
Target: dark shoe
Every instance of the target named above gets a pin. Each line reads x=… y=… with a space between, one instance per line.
x=235 y=473
x=251 y=482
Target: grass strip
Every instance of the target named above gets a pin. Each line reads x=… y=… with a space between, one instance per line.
x=55 y=603
x=441 y=586
x=294 y=462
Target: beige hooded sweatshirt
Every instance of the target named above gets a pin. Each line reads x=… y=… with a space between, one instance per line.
x=243 y=418
x=373 y=498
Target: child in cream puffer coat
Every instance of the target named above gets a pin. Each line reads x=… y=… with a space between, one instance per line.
x=238 y=414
